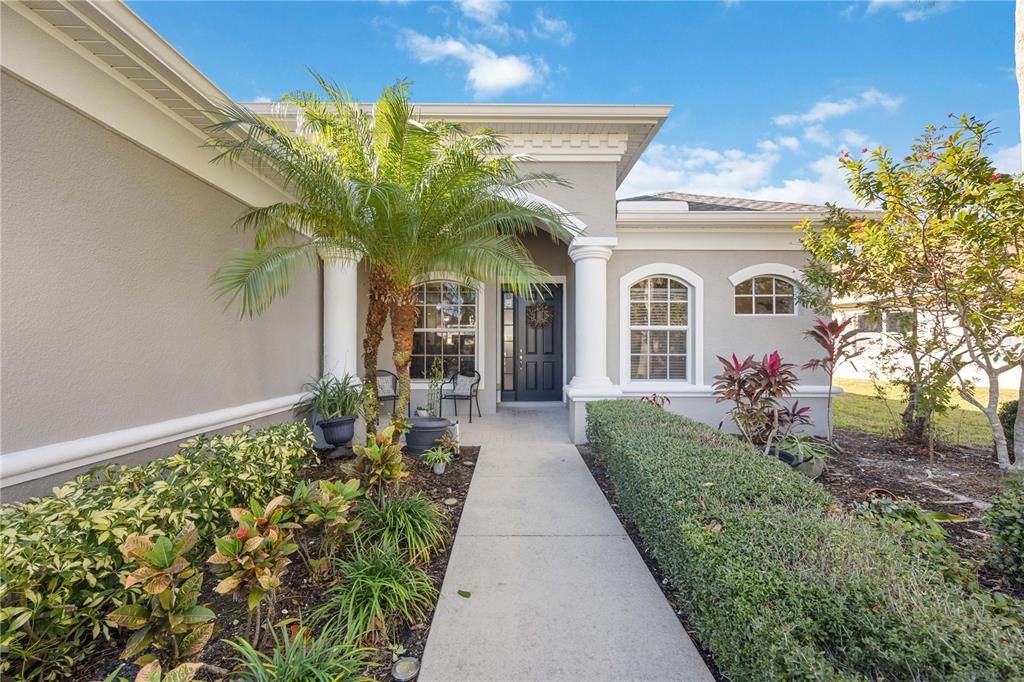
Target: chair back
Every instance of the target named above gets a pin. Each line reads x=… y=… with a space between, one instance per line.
x=387 y=384
x=464 y=384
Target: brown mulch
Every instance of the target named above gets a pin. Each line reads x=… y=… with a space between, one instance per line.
x=600 y=475
x=301 y=593
x=958 y=481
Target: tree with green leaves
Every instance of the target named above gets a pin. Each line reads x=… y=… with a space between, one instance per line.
x=948 y=243
x=411 y=198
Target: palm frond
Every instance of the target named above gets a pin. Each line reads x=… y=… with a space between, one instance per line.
x=256 y=277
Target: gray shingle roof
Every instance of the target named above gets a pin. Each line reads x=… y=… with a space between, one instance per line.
x=704 y=202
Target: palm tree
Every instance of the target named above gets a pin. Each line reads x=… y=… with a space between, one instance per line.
x=411 y=198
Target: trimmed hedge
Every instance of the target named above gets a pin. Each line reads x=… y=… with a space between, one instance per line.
x=779 y=582
x=60 y=568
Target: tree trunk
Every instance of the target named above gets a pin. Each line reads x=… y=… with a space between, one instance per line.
x=403 y=323
x=1019 y=52
x=1018 y=425
x=376 y=316
x=991 y=411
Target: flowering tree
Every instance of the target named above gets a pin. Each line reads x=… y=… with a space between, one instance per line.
x=948 y=243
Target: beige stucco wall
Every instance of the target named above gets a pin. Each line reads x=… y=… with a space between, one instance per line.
x=724 y=331
x=108 y=320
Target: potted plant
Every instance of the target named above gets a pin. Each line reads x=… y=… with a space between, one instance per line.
x=424 y=433
x=438 y=458
x=802 y=452
x=334 y=405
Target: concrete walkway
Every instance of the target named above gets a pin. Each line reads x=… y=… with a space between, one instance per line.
x=557 y=589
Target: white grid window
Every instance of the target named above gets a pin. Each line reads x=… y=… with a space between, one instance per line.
x=659 y=328
x=445 y=330
x=765 y=295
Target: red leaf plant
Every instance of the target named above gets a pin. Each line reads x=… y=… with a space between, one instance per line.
x=757 y=391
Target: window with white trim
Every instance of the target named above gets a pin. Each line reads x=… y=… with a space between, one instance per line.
x=765 y=295
x=446 y=329
x=659 y=329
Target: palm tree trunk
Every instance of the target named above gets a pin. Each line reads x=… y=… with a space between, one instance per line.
x=376 y=316
x=403 y=324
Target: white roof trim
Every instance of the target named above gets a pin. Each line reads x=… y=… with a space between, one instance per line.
x=761 y=269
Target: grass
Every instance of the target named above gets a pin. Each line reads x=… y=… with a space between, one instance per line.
x=860 y=409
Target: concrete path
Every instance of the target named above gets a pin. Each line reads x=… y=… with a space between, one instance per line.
x=557 y=589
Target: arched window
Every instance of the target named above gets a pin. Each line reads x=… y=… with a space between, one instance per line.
x=446 y=329
x=765 y=295
x=659 y=329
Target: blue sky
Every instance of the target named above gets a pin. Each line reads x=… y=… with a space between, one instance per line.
x=763 y=93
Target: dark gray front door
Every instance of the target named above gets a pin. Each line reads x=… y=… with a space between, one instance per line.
x=532 y=346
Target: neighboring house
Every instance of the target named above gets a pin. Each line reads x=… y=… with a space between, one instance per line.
x=875 y=335
x=114 y=220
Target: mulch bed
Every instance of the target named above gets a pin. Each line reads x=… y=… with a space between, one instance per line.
x=959 y=481
x=300 y=594
x=600 y=475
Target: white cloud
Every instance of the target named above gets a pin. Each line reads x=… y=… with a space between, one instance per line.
x=552 y=28
x=734 y=173
x=261 y=100
x=911 y=10
x=489 y=74
x=487 y=15
x=823 y=110
x=818 y=135
x=790 y=143
x=1007 y=159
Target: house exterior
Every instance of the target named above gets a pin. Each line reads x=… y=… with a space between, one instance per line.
x=114 y=220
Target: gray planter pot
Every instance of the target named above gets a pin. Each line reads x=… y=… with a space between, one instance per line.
x=338 y=431
x=424 y=433
x=438 y=468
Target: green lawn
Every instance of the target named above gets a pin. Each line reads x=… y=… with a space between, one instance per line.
x=859 y=409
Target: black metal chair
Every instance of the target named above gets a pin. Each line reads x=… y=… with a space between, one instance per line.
x=387 y=388
x=462 y=386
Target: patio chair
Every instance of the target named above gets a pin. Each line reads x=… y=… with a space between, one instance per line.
x=387 y=388
x=462 y=386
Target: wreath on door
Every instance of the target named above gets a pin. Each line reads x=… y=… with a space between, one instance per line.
x=539 y=315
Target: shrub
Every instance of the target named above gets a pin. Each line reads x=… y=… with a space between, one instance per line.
x=300 y=656
x=1005 y=521
x=410 y=523
x=172 y=619
x=60 y=568
x=379 y=587
x=1008 y=417
x=779 y=583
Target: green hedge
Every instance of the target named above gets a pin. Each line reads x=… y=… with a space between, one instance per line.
x=779 y=583
x=60 y=567
x=1005 y=521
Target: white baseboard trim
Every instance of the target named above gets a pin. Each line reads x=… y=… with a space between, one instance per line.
x=27 y=465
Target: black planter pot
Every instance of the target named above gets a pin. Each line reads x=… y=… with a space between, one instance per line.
x=338 y=431
x=424 y=433
x=787 y=457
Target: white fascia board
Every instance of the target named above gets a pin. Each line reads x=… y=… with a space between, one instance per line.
x=668 y=218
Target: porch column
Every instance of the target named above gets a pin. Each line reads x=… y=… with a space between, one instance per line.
x=591 y=382
x=341 y=326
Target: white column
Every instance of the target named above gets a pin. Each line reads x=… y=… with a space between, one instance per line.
x=591 y=285
x=341 y=323
x=591 y=382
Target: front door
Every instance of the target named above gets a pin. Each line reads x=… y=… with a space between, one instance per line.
x=531 y=345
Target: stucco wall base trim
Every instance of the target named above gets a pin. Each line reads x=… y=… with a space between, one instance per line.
x=27 y=465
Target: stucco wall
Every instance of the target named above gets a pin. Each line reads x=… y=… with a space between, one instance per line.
x=108 y=320
x=590 y=196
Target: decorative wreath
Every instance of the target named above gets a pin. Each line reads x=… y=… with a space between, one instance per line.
x=539 y=315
